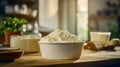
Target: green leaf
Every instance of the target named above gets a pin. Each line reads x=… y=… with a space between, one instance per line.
x=23 y=21
x=20 y=29
x=15 y=19
x=9 y=29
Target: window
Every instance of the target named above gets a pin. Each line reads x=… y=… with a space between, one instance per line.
x=82 y=19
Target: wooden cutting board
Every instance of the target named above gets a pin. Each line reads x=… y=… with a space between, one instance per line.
x=88 y=56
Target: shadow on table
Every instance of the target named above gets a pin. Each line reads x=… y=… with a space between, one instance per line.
x=103 y=63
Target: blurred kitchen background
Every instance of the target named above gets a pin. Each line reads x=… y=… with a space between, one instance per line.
x=77 y=16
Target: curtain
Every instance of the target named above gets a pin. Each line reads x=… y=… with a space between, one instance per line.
x=48 y=14
x=58 y=14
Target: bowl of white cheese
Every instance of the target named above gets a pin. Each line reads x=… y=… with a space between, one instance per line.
x=28 y=43
x=60 y=44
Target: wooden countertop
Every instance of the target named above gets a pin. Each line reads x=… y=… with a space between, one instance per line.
x=88 y=58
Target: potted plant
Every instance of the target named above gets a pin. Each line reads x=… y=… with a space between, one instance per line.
x=12 y=26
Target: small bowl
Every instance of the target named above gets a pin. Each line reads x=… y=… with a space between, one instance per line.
x=61 y=50
x=9 y=54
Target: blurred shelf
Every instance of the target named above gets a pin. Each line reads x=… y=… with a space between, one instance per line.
x=102 y=17
x=28 y=17
x=107 y=17
x=28 y=2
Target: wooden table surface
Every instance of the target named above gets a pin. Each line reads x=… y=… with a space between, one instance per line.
x=88 y=58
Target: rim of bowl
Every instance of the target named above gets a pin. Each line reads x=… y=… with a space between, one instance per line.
x=59 y=42
x=8 y=48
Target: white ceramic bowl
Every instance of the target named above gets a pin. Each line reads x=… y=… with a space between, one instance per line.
x=61 y=50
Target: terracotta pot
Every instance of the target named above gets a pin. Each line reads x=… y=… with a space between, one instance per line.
x=7 y=37
x=1 y=40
